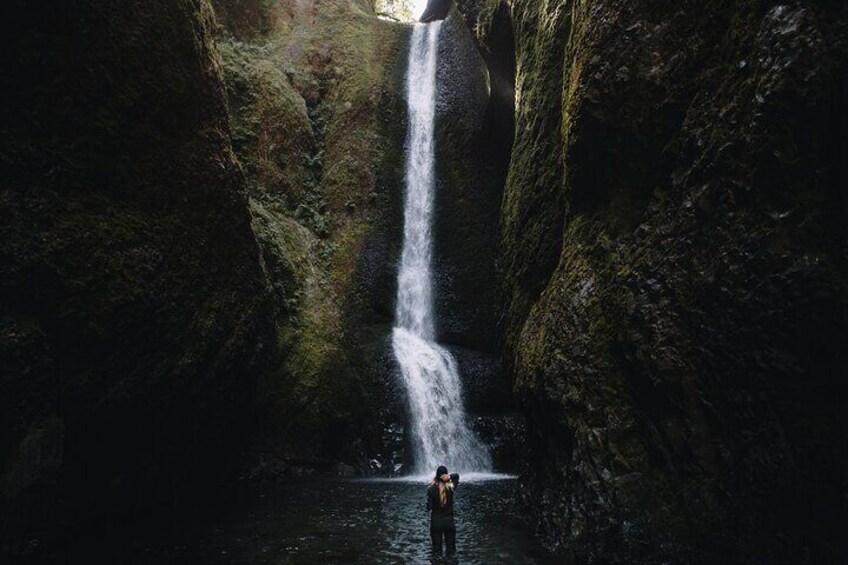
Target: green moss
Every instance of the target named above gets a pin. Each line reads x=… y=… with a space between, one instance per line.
x=655 y=304
x=534 y=205
x=272 y=133
x=306 y=97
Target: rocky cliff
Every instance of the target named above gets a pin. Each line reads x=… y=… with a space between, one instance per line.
x=135 y=314
x=317 y=109
x=199 y=208
x=674 y=274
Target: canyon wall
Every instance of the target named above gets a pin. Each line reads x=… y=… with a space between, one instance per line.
x=135 y=317
x=317 y=108
x=674 y=274
x=200 y=214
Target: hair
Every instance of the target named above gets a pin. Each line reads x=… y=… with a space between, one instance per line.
x=443 y=491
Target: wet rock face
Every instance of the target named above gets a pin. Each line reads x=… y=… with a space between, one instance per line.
x=470 y=173
x=133 y=303
x=468 y=196
x=674 y=275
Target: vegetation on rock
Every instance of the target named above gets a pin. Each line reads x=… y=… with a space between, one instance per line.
x=674 y=277
x=309 y=96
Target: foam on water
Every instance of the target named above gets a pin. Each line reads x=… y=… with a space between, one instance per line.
x=467 y=478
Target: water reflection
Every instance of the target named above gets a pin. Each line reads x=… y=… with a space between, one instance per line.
x=358 y=522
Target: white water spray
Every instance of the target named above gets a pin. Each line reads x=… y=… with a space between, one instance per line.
x=441 y=435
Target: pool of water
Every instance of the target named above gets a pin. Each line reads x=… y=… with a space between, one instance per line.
x=344 y=521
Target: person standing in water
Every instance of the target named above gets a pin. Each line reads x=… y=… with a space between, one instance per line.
x=440 y=505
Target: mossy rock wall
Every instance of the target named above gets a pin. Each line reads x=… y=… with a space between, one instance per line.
x=135 y=313
x=674 y=275
x=318 y=114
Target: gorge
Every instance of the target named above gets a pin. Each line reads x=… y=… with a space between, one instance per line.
x=630 y=258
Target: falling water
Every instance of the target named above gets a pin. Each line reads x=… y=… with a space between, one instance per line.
x=440 y=432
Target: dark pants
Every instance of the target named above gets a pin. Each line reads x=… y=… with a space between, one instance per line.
x=443 y=530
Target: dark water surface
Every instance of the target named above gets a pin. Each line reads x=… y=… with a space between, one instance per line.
x=343 y=521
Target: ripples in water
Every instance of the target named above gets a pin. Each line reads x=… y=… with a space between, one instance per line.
x=354 y=521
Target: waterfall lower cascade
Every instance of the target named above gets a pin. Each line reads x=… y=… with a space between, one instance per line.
x=441 y=435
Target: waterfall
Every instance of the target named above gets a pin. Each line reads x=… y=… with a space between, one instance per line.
x=440 y=432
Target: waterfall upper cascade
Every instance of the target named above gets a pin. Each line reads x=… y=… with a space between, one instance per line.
x=440 y=431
